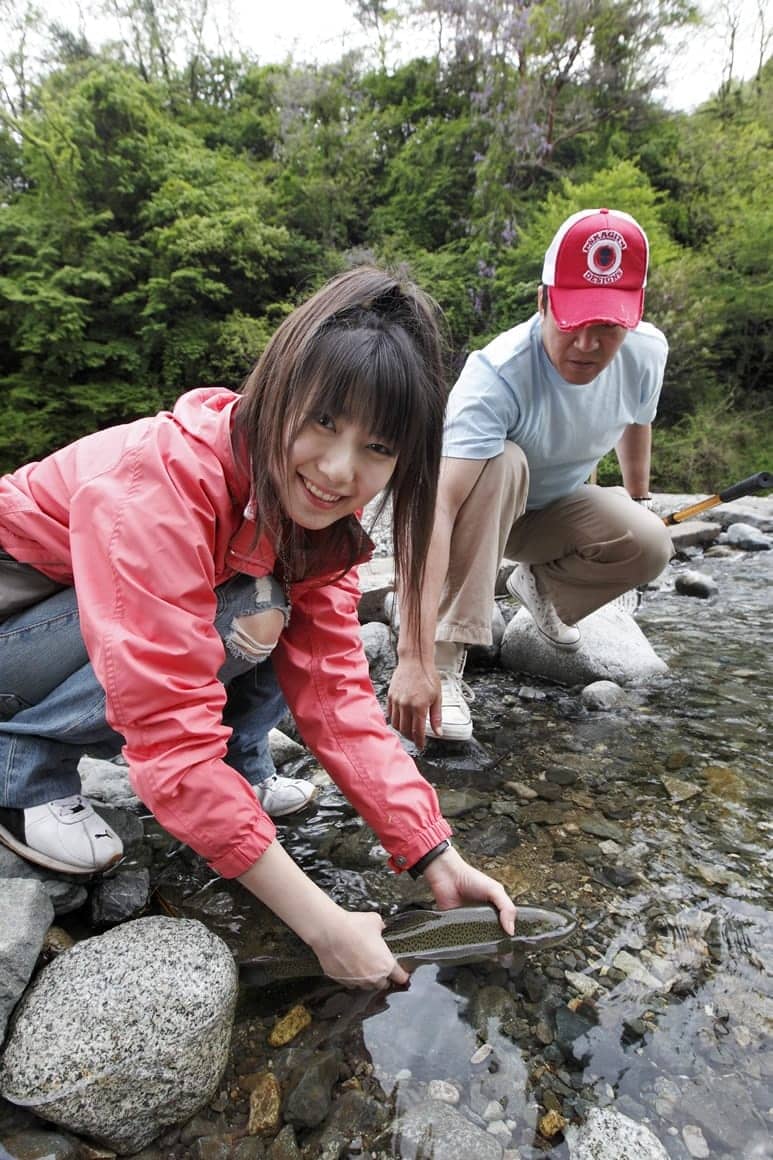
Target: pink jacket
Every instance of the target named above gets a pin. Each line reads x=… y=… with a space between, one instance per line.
x=146 y=519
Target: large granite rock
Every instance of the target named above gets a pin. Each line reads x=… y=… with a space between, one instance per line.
x=613 y=648
x=609 y=1135
x=125 y=1033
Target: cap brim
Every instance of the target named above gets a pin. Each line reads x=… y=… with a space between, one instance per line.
x=591 y=306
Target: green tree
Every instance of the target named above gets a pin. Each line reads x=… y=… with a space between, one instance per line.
x=128 y=258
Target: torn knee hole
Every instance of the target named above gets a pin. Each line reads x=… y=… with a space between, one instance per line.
x=255 y=637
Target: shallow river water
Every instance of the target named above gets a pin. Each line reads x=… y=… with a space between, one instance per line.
x=652 y=822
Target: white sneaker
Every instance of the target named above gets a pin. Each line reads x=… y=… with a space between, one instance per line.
x=522 y=584
x=65 y=835
x=284 y=795
x=456 y=698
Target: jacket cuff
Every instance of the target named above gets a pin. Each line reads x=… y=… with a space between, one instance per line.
x=420 y=845
x=238 y=861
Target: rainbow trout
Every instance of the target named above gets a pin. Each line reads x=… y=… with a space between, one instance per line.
x=467 y=934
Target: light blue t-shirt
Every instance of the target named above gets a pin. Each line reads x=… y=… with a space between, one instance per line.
x=511 y=390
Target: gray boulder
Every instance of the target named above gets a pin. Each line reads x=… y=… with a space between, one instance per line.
x=747 y=537
x=613 y=648
x=108 y=782
x=284 y=748
x=694 y=533
x=377 y=642
x=125 y=1033
x=26 y=913
x=65 y=893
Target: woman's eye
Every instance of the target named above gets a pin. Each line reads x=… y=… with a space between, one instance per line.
x=382 y=449
x=324 y=421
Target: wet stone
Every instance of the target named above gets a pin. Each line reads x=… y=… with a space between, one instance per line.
x=289 y=1026
x=548 y=792
x=571 y=1027
x=561 y=775
x=602 y=827
x=546 y=813
x=122 y=896
x=212 y=1148
x=310 y=1090
x=693 y=583
x=452 y=1134
x=250 y=1148
x=33 y=1145
x=354 y=1115
x=285 y=1146
x=265 y=1105
x=501 y=834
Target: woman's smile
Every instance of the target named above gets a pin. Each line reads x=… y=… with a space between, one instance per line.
x=324 y=497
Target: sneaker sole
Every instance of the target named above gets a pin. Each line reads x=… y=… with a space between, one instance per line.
x=38 y=859
x=511 y=588
x=450 y=733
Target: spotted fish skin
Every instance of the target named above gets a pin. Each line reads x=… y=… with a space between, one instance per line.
x=466 y=934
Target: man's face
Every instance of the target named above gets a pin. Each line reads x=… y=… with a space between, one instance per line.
x=579 y=355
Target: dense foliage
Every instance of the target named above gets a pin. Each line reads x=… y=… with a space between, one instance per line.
x=157 y=222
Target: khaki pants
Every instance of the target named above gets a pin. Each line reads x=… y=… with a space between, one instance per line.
x=585 y=549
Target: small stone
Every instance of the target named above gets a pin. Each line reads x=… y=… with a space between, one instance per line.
x=695 y=1141
x=695 y=584
x=265 y=1106
x=445 y=1091
x=678 y=790
x=586 y=986
x=483 y=1052
x=601 y=695
x=551 y=1124
x=290 y=1025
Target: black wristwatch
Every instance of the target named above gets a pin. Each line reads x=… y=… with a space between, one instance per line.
x=419 y=867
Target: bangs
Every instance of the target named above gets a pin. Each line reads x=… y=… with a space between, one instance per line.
x=370 y=377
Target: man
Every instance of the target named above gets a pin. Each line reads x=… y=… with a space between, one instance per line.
x=527 y=422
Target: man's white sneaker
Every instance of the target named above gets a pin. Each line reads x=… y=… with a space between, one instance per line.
x=456 y=697
x=522 y=584
x=284 y=795
x=64 y=835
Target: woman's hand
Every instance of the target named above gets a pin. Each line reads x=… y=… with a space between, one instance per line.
x=454 y=882
x=352 y=951
x=348 y=945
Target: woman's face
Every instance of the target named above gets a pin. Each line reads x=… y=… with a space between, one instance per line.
x=334 y=468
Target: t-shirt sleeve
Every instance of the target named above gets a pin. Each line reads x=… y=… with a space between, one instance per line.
x=481 y=410
x=652 y=377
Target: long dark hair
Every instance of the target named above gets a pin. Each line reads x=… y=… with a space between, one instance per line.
x=368 y=345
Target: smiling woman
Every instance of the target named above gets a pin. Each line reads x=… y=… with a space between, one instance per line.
x=203 y=559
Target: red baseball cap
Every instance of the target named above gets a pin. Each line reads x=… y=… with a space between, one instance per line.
x=595 y=270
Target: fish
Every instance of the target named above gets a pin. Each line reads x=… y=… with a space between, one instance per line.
x=464 y=934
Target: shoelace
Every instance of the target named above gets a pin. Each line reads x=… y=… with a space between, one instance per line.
x=543 y=609
x=454 y=689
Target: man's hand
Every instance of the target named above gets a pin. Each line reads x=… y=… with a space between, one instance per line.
x=414 y=691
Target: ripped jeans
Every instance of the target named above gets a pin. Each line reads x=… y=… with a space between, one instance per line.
x=52 y=708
